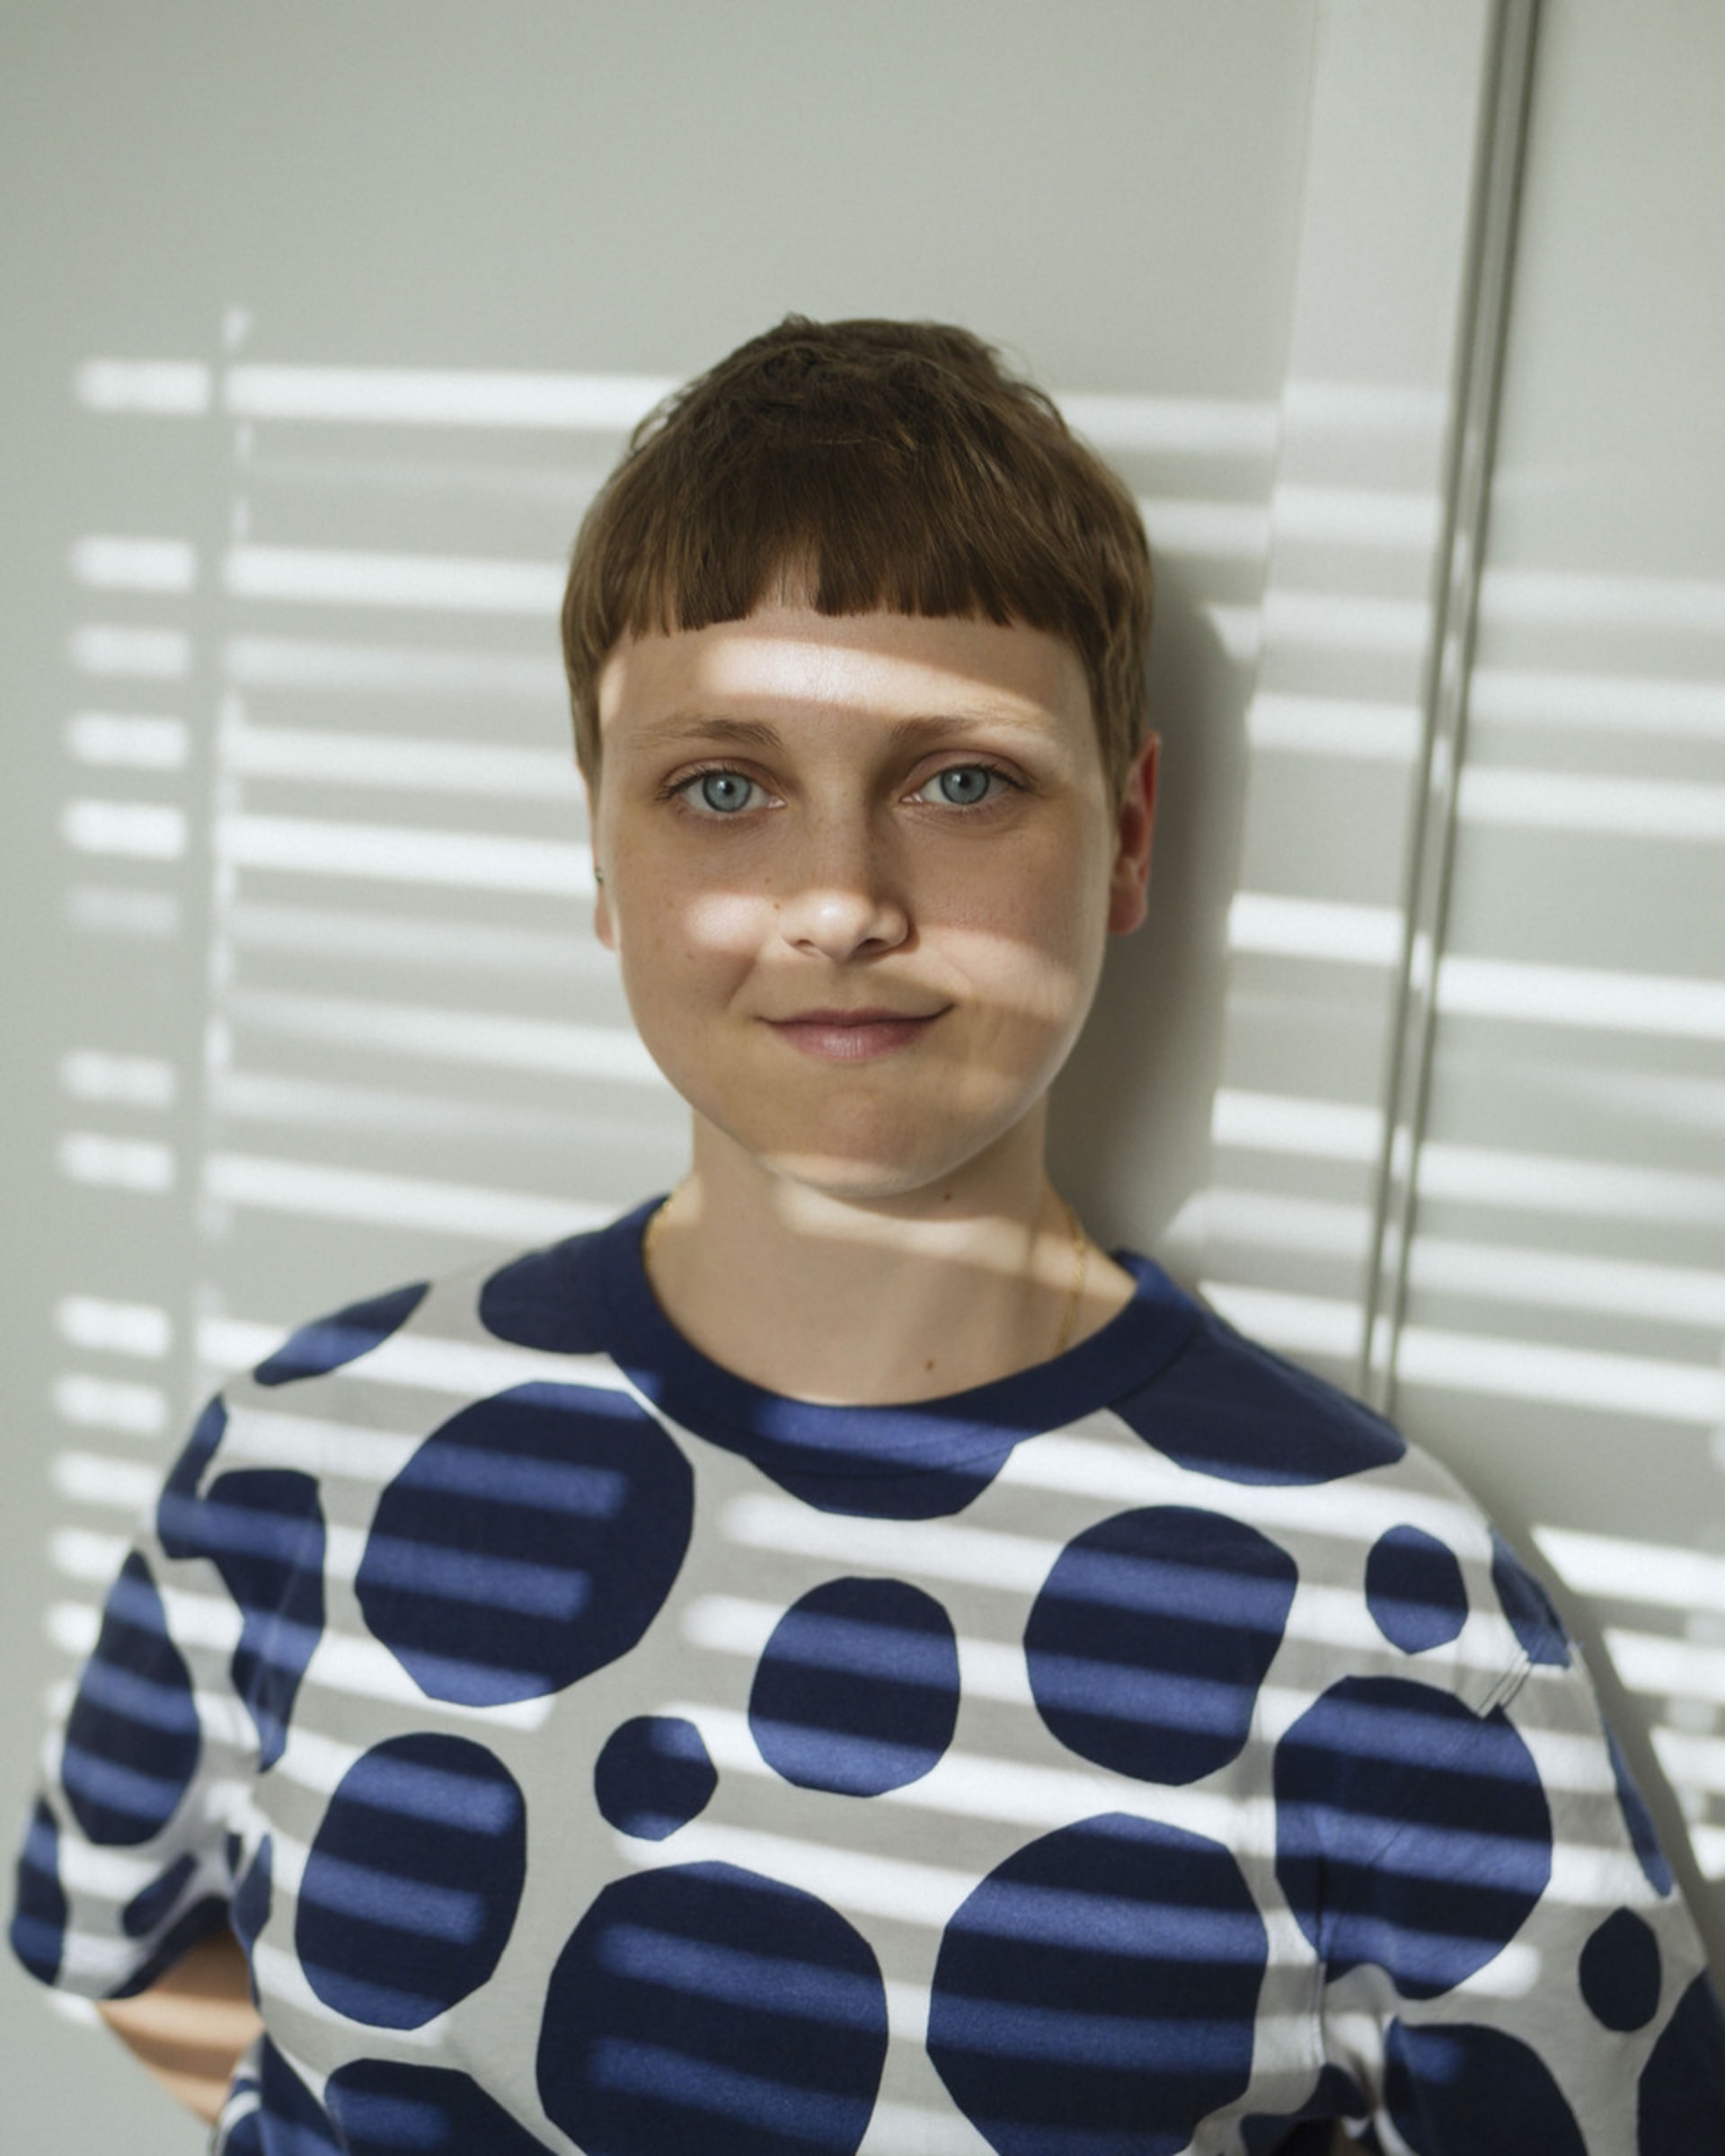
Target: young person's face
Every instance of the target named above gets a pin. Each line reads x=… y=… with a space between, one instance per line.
x=859 y=872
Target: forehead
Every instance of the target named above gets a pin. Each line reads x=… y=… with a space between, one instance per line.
x=785 y=661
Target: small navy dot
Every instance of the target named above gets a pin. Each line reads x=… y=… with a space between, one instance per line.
x=1151 y=1637
x=1411 y=1834
x=1531 y=1616
x=531 y=1304
x=653 y=1776
x=1459 y=2085
x=327 y=1343
x=253 y=1896
x=857 y=1690
x=1639 y=1822
x=410 y=1889
x=152 y=1905
x=37 y=1933
x=1619 y=1971
x=1337 y=2095
x=132 y=1741
x=1680 y=2103
x=528 y=1541
x=710 y=2011
x=1226 y=1407
x=1414 y=1590
x=387 y=2108
x=176 y=1509
x=1098 y=1991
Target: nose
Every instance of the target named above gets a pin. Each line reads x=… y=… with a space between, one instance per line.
x=845 y=900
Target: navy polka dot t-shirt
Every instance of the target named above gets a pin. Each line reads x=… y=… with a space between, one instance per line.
x=592 y=1751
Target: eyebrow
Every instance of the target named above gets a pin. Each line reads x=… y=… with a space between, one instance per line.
x=758 y=733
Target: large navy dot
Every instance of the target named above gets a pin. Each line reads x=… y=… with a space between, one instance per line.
x=1533 y=1617
x=528 y=1541
x=411 y=1886
x=1411 y=1832
x=653 y=1776
x=713 y=2011
x=1151 y=1637
x=1414 y=1589
x=37 y=1933
x=151 y=1905
x=1460 y=2085
x=1337 y=2095
x=1680 y=2103
x=857 y=1690
x=1639 y=1822
x=132 y=1740
x=1619 y=1971
x=385 y=2108
x=532 y=1303
x=327 y=1343
x=1228 y=1408
x=1098 y=1991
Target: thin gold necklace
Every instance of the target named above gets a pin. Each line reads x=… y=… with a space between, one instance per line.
x=1075 y=1290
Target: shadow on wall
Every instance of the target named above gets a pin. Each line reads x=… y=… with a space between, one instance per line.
x=1130 y=1130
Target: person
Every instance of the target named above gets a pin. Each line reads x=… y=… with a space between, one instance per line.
x=835 y=1660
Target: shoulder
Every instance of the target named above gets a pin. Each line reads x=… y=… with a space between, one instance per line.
x=1227 y=1407
x=1401 y=1575
x=341 y=1395
x=542 y=1301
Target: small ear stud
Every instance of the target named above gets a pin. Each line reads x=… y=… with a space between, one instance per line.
x=599 y=875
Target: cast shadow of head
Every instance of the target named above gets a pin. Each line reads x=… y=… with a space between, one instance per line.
x=1130 y=1127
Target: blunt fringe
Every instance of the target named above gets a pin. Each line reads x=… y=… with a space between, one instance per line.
x=890 y=466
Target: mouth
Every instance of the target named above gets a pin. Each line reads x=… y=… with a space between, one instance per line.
x=854 y=1036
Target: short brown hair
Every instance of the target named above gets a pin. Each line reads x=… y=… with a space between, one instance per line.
x=889 y=466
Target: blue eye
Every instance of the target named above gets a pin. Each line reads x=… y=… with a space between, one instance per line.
x=965 y=785
x=723 y=792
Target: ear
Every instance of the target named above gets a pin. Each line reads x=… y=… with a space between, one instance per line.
x=603 y=929
x=1134 y=826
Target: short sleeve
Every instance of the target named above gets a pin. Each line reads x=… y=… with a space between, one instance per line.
x=1508 y=1963
x=129 y=1853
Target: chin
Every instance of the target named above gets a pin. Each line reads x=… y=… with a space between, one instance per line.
x=854 y=1182
x=877 y=1167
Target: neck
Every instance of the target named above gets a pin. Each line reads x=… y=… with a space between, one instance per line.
x=835 y=1298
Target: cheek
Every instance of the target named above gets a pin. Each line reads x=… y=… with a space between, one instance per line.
x=674 y=944
x=1031 y=945
x=1022 y=976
